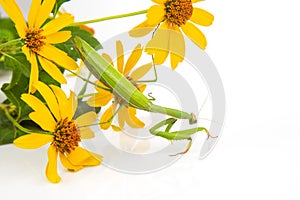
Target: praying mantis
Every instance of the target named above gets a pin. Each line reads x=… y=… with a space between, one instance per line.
x=123 y=88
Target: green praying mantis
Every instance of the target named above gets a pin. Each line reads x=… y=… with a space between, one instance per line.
x=124 y=89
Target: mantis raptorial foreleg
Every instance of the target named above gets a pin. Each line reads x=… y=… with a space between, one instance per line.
x=176 y=135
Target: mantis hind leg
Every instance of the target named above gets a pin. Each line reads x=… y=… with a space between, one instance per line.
x=112 y=117
x=155 y=74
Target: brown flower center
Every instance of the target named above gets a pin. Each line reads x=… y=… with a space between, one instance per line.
x=178 y=11
x=66 y=136
x=34 y=40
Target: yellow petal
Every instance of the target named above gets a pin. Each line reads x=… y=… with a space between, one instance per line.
x=159 y=1
x=142 y=87
x=108 y=58
x=44 y=12
x=177 y=47
x=100 y=99
x=72 y=105
x=55 y=25
x=159 y=44
x=58 y=37
x=132 y=120
x=86 y=133
x=67 y=164
x=202 y=17
x=141 y=29
x=27 y=53
x=51 y=169
x=92 y=161
x=106 y=118
x=195 y=1
x=133 y=59
x=34 y=9
x=34 y=73
x=160 y=56
x=61 y=98
x=127 y=114
x=58 y=56
x=78 y=71
x=83 y=157
x=34 y=102
x=194 y=34
x=177 y=44
x=97 y=156
x=161 y=38
x=67 y=106
x=49 y=97
x=116 y=128
x=155 y=15
x=175 y=60
x=141 y=71
x=121 y=117
x=33 y=140
x=52 y=70
x=86 y=119
x=14 y=12
x=45 y=122
x=120 y=56
x=83 y=122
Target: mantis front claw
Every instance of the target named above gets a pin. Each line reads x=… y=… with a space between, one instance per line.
x=176 y=135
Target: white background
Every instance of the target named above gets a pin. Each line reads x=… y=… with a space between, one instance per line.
x=255 y=46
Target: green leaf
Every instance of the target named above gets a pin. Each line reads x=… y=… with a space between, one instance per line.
x=31 y=125
x=5 y=35
x=13 y=93
x=4 y=122
x=58 y=4
x=68 y=46
x=16 y=76
x=7 y=131
x=2 y=66
x=7 y=30
x=7 y=135
x=20 y=84
x=18 y=62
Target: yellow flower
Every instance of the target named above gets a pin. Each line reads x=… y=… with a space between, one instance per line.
x=38 y=37
x=64 y=133
x=173 y=17
x=125 y=113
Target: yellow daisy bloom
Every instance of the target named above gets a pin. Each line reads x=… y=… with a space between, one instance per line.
x=64 y=132
x=173 y=17
x=125 y=113
x=39 y=36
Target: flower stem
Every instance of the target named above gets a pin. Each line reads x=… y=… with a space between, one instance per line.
x=85 y=95
x=13 y=121
x=11 y=43
x=110 y=17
